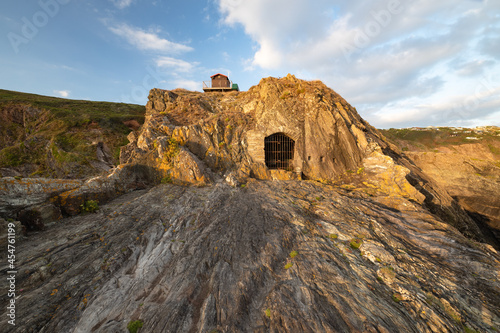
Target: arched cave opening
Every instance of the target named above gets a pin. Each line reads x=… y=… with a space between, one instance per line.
x=279 y=148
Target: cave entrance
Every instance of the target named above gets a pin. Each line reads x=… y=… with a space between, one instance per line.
x=278 y=148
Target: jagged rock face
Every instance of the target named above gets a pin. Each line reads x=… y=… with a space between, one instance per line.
x=470 y=173
x=18 y=194
x=226 y=134
x=46 y=197
x=227 y=131
x=283 y=256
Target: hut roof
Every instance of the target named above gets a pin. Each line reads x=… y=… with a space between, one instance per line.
x=219 y=74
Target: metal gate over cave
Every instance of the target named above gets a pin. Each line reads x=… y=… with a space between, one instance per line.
x=279 y=148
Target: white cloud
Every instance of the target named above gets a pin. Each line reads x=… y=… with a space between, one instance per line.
x=177 y=65
x=121 y=4
x=385 y=57
x=62 y=93
x=148 y=40
x=187 y=84
x=475 y=67
x=465 y=110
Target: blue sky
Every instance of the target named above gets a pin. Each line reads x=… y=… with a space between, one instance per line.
x=401 y=63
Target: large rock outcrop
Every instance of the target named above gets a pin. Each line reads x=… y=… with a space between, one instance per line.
x=227 y=133
x=463 y=161
x=192 y=138
x=37 y=201
x=470 y=173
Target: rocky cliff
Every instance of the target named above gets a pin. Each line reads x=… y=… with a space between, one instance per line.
x=193 y=138
x=343 y=234
x=465 y=162
x=227 y=131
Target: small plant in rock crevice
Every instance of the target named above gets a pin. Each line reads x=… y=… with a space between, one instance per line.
x=397 y=297
x=355 y=243
x=134 y=326
x=166 y=180
x=172 y=150
x=89 y=206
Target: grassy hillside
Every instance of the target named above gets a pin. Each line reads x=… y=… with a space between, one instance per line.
x=430 y=139
x=56 y=137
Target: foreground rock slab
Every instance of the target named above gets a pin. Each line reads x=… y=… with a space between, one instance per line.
x=271 y=256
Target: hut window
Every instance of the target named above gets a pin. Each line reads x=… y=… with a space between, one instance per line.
x=279 y=150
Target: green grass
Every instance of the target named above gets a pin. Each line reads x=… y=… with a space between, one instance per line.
x=134 y=326
x=12 y=156
x=172 y=150
x=66 y=129
x=396 y=297
x=78 y=112
x=355 y=243
x=89 y=206
x=166 y=180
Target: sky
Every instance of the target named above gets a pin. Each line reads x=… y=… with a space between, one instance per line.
x=400 y=63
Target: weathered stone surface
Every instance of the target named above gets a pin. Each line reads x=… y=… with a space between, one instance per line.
x=39 y=195
x=189 y=169
x=18 y=194
x=190 y=259
x=386 y=176
x=469 y=173
x=122 y=179
x=226 y=133
x=35 y=217
x=6 y=172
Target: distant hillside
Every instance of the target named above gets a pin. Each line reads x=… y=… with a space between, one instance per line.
x=53 y=137
x=432 y=138
x=464 y=161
